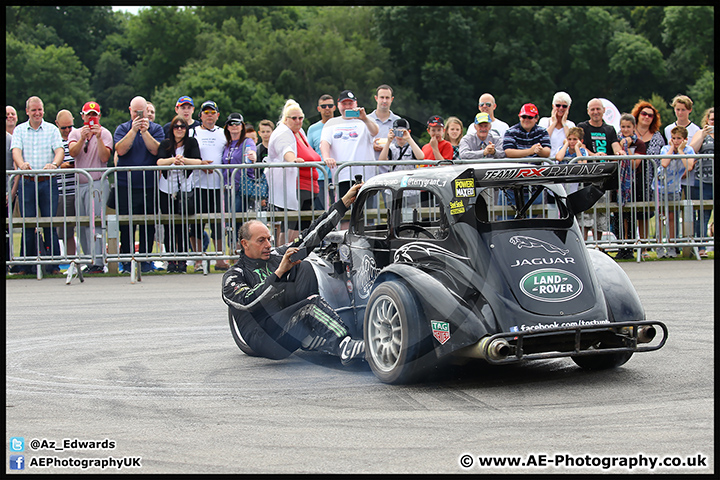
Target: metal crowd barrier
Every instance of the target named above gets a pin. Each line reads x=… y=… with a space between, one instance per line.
x=647 y=226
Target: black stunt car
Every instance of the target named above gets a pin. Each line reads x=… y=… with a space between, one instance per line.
x=464 y=261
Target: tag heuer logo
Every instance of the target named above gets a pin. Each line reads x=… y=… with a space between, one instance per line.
x=441 y=331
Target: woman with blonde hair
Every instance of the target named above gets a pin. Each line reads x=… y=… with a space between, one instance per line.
x=292 y=189
x=557 y=124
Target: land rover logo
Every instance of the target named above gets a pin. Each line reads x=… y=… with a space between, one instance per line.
x=551 y=285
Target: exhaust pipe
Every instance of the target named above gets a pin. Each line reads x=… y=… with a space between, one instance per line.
x=498 y=349
x=646 y=333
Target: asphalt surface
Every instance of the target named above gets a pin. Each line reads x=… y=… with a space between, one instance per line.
x=151 y=370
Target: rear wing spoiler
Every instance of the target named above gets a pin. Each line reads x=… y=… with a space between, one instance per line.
x=602 y=174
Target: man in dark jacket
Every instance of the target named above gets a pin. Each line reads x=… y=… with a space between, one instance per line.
x=273 y=295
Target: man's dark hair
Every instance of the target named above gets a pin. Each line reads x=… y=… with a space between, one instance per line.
x=326 y=97
x=384 y=87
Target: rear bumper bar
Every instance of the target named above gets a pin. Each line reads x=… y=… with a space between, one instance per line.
x=625 y=332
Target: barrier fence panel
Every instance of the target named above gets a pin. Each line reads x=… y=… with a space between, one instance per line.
x=158 y=214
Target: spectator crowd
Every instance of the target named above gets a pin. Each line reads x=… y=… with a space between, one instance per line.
x=346 y=132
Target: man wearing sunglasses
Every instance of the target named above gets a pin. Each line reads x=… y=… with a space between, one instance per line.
x=66 y=183
x=486 y=104
x=208 y=184
x=527 y=139
x=326 y=107
x=91 y=147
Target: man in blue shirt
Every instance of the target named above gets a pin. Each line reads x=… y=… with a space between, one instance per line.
x=37 y=145
x=136 y=143
x=326 y=107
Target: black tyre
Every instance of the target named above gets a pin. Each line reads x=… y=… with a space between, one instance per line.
x=397 y=344
x=237 y=336
x=603 y=361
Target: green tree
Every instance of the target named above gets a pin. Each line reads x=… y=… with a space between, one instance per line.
x=54 y=74
x=689 y=31
x=227 y=85
x=81 y=27
x=702 y=93
x=164 y=39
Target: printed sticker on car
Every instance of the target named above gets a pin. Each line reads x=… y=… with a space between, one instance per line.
x=441 y=331
x=551 y=285
x=464 y=187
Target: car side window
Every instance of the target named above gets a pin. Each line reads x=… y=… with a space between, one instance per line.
x=372 y=218
x=421 y=216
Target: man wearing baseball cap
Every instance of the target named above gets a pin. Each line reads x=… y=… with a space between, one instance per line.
x=208 y=186
x=481 y=142
x=91 y=147
x=349 y=138
x=437 y=148
x=184 y=107
x=526 y=139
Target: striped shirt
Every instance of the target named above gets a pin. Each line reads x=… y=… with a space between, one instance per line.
x=518 y=138
x=66 y=182
x=37 y=146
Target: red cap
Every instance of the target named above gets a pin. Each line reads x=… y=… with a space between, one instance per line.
x=529 y=109
x=91 y=107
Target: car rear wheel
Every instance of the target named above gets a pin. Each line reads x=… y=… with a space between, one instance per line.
x=397 y=347
x=237 y=336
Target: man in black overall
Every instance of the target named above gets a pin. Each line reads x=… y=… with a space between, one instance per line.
x=273 y=296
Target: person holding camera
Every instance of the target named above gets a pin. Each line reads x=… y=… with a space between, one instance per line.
x=349 y=138
x=137 y=142
x=91 y=147
x=401 y=146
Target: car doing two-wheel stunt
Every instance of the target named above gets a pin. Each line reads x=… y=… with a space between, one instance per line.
x=481 y=261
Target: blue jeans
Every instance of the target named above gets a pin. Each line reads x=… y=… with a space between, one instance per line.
x=141 y=202
x=45 y=203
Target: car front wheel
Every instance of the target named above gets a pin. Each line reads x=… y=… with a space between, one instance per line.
x=397 y=347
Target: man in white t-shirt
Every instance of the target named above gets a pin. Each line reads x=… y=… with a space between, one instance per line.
x=486 y=104
x=349 y=138
x=682 y=106
x=208 y=186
